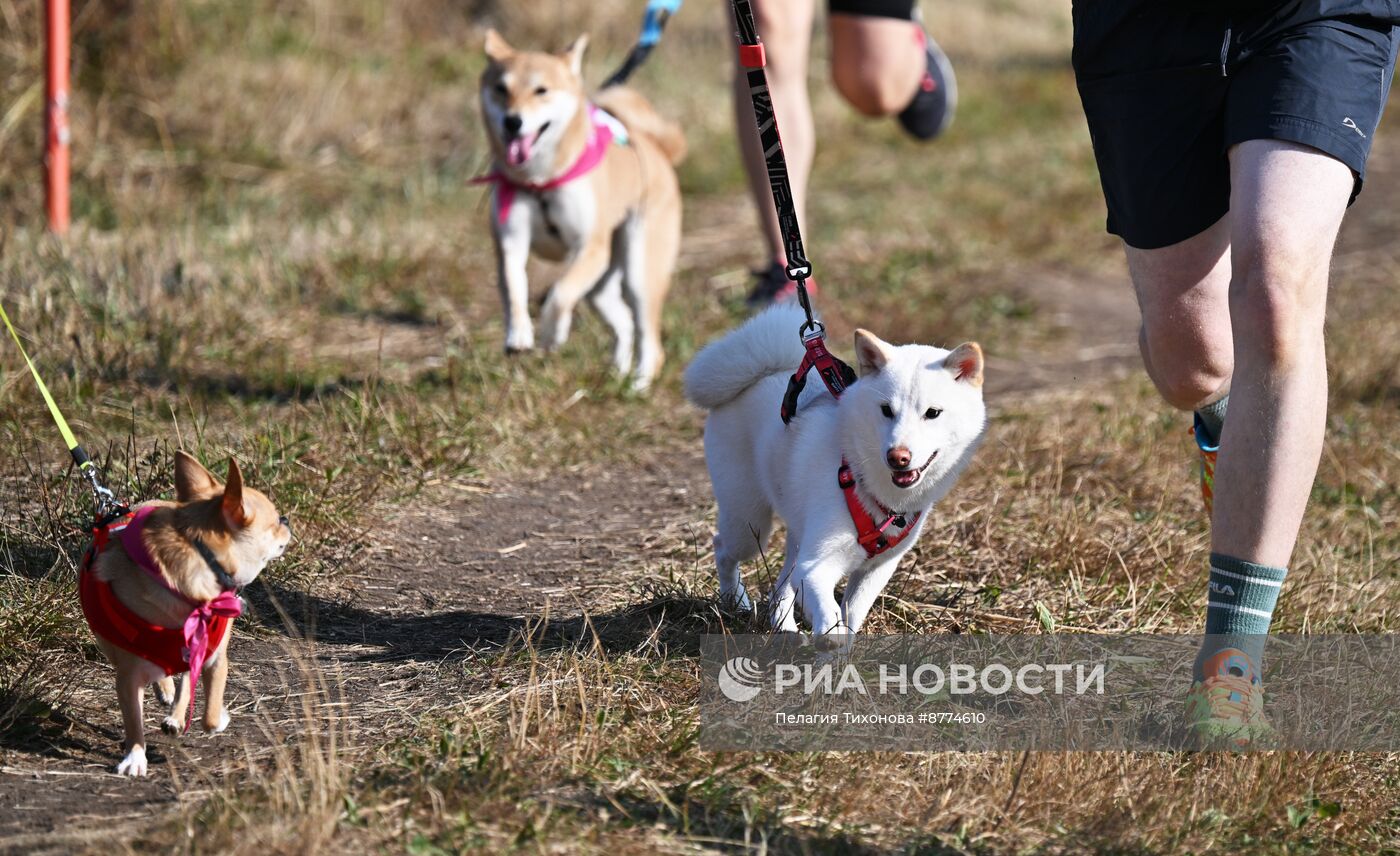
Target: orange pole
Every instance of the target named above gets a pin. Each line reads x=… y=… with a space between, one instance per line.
x=56 y=146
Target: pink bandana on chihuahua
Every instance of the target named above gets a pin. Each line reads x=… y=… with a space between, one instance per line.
x=605 y=130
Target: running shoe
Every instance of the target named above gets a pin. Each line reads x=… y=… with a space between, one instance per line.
x=1208 y=452
x=1225 y=710
x=935 y=102
x=773 y=286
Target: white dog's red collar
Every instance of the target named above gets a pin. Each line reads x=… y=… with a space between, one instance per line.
x=873 y=537
x=606 y=128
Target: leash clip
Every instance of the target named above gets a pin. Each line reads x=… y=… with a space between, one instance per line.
x=107 y=503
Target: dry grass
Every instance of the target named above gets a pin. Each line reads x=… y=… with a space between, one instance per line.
x=277 y=256
x=292 y=800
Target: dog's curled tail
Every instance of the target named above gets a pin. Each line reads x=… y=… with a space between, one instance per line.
x=767 y=344
x=636 y=113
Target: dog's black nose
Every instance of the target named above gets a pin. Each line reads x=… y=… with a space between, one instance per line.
x=512 y=123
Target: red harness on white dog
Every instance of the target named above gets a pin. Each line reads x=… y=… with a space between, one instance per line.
x=872 y=536
x=173 y=649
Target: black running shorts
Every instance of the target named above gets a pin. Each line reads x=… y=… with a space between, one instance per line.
x=1170 y=87
x=901 y=9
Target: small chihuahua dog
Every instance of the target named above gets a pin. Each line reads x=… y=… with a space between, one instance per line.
x=160 y=592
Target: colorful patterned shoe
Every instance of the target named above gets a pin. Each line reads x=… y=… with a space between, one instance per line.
x=1208 y=453
x=1226 y=709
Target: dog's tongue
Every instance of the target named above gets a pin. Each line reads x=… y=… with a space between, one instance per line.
x=518 y=149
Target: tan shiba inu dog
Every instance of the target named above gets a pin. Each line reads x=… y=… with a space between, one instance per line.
x=587 y=181
x=178 y=561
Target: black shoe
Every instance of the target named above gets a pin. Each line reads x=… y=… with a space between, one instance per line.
x=772 y=286
x=931 y=111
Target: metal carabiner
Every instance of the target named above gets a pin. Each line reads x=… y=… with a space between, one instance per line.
x=107 y=501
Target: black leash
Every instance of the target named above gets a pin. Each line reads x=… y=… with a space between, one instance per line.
x=836 y=374
x=654 y=21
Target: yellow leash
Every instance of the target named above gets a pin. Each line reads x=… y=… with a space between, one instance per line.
x=105 y=499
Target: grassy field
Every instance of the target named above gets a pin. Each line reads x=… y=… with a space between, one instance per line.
x=277 y=255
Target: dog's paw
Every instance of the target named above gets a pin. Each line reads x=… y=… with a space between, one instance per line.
x=171 y=725
x=165 y=691
x=134 y=764
x=834 y=644
x=622 y=363
x=551 y=340
x=217 y=726
x=520 y=340
x=783 y=619
x=555 y=326
x=736 y=599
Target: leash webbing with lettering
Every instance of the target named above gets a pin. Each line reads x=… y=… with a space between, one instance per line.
x=833 y=372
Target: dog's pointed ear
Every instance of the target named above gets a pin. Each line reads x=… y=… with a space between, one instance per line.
x=235 y=510
x=193 y=481
x=497 y=49
x=965 y=362
x=872 y=352
x=575 y=53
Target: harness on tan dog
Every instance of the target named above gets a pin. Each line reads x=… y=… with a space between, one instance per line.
x=606 y=130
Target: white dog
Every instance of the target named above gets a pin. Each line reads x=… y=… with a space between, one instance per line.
x=905 y=431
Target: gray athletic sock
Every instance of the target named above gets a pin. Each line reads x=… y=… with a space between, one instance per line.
x=1239 y=608
x=1211 y=419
